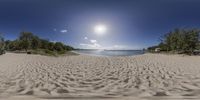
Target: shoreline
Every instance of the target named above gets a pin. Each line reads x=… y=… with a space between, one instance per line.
x=101 y=55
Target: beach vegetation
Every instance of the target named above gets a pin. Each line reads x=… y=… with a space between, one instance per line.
x=2 y=45
x=29 y=43
x=181 y=41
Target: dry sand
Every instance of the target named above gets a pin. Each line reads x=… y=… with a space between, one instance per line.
x=143 y=77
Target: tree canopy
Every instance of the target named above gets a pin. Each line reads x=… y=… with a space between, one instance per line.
x=2 y=45
x=180 y=41
x=28 y=41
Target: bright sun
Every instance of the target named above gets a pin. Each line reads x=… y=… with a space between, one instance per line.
x=100 y=29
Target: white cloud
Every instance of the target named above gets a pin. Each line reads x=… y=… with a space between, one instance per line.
x=54 y=41
x=91 y=46
x=55 y=29
x=123 y=47
x=119 y=46
x=97 y=45
x=85 y=38
x=63 y=31
x=116 y=47
x=93 y=41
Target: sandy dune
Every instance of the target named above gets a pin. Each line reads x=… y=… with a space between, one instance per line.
x=145 y=77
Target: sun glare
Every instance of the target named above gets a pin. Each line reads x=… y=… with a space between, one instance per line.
x=100 y=29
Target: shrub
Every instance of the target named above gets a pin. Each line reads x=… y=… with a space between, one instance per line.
x=2 y=45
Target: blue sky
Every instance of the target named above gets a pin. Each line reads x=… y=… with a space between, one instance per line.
x=130 y=24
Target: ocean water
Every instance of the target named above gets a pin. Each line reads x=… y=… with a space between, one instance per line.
x=111 y=52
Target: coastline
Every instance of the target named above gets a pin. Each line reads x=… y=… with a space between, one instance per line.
x=109 y=54
x=92 y=77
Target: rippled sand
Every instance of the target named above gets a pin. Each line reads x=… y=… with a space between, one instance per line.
x=143 y=77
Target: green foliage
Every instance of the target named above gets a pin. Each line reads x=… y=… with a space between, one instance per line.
x=191 y=41
x=13 y=45
x=49 y=52
x=26 y=36
x=35 y=43
x=58 y=46
x=7 y=42
x=50 y=46
x=44 y=44
x=173 y=41
x=152 y=48
x=29 y=42
x=2 y=45
x=44 y=52
x=26 y=40
x=24 y=44
x=180 y=41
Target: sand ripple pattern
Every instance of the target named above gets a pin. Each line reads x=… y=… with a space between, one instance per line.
x=89 y=76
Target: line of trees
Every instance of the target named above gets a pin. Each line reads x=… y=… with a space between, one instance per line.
x=27 y=42
x=179 y=41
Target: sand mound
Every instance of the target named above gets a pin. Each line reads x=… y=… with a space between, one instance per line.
x=74 y=77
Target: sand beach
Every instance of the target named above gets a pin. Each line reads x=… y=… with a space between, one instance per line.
x=86 y=77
